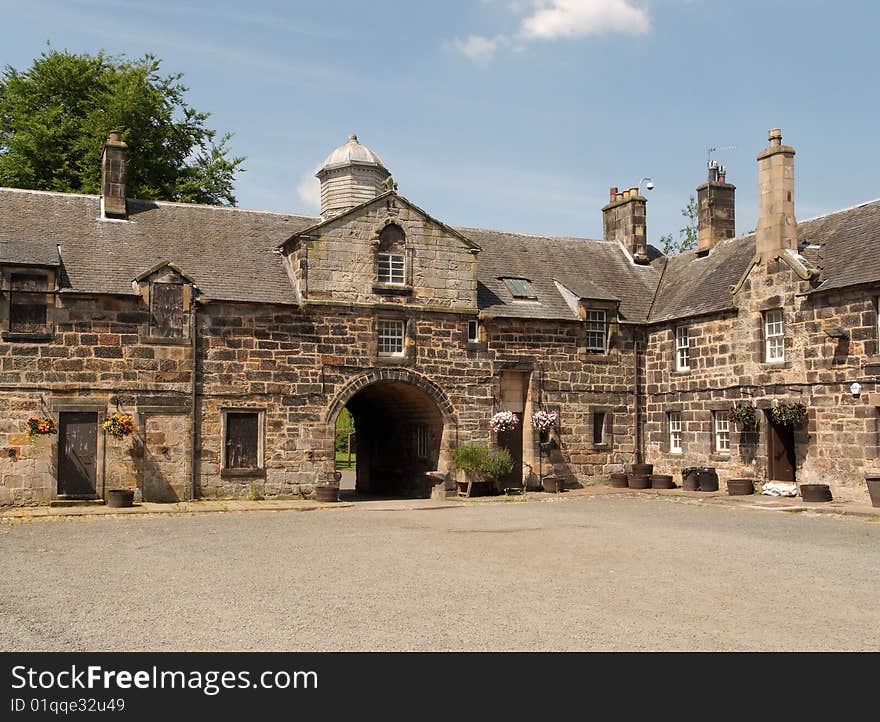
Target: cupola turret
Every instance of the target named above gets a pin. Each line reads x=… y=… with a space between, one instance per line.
x=351 y=175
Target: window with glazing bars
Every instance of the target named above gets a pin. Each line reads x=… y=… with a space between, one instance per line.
x=597 y=331
x=675 y=432
x=392 y=268
x=682 y=349
x=391 y=335
x=722 y=431
x=774 y=335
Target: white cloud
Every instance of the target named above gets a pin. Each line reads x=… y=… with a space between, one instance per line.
x=551 y=19
x=309 y=192
x=478 y=48
x=577 y=18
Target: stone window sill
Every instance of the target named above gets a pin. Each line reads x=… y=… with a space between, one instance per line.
x=242 y=473
x=28 y=337
x=392 y=289
x=719 y=457
x=477 y=346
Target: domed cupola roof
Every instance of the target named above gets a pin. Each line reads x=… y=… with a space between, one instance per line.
x=352 y=153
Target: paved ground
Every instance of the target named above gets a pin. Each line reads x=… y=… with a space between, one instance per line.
x=590 y=572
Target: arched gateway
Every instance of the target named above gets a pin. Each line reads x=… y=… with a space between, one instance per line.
x=404 y=426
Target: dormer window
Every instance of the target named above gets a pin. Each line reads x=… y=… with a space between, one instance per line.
x=596 y=326
x=520 y=288
x=391 y=256
x=167 y=317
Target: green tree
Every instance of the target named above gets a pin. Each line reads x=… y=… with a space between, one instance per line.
x=687 y=236
x=344 y=427
x=55 y=116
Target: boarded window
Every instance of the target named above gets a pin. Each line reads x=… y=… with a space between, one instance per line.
x=28 y=305
x=242 y=440
x=167 y=318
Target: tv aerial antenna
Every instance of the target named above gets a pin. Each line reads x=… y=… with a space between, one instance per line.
x=718 y=149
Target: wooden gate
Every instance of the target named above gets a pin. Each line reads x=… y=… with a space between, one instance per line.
x=78 y=453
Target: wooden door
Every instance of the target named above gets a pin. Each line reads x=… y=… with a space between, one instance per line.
x=78 y=453
x=513 y=442
x=780 y=452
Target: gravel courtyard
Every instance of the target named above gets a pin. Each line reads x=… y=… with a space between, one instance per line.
x=617 y=573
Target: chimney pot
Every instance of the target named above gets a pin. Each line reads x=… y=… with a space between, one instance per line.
x=613 y=194
x=624 y=221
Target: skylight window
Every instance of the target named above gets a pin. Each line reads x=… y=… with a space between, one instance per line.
x=519 y=288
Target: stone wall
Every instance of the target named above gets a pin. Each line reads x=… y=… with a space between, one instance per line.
x=838 y=443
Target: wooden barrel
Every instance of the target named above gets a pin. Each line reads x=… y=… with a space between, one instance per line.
x=740 y=487
x=662 y=481
x=815 y=492
x=639 y=481
x=619 y=481
x=690 y=478
x=642 y=469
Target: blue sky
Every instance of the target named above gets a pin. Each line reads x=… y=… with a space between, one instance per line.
x=511 y=114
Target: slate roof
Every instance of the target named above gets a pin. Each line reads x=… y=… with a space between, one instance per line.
x=844 y=245
x=232 y=255
x=228 y=252
x=593 y=269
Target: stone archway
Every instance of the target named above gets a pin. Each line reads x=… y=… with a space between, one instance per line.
x=404 y=426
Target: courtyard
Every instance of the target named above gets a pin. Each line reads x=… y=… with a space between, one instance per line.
x=582 y=573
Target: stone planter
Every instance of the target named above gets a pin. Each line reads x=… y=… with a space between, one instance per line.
x=740 y=487
x=815 y=492
x=873 y=483
x=327 y=494
x=120 y=498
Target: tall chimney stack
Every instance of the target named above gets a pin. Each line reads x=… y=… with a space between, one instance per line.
x=777 y=227
x=114 y=171
x=716 y=200
x=625 y=220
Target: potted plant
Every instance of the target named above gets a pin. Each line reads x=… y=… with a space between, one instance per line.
x=789 y=414
x=544 y=422
x=503 y=421
x=744 y=416
x=40 y=426
x=496 y=466
x=118 y=425
x=469 y=459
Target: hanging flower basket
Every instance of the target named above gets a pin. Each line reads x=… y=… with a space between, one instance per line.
x=789 y=414
x=118 y=425
x=543 y=421
x=744 y=415
x=40 y=426
x=504 y=421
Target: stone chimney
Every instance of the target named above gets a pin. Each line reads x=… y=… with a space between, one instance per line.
x=114 y=170
x=625 y=220
x=777 y=227
x=716 y=200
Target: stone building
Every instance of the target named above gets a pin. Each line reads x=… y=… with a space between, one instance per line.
x=235 y=338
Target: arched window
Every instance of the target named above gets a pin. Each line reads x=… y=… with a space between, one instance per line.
x=392 y=256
